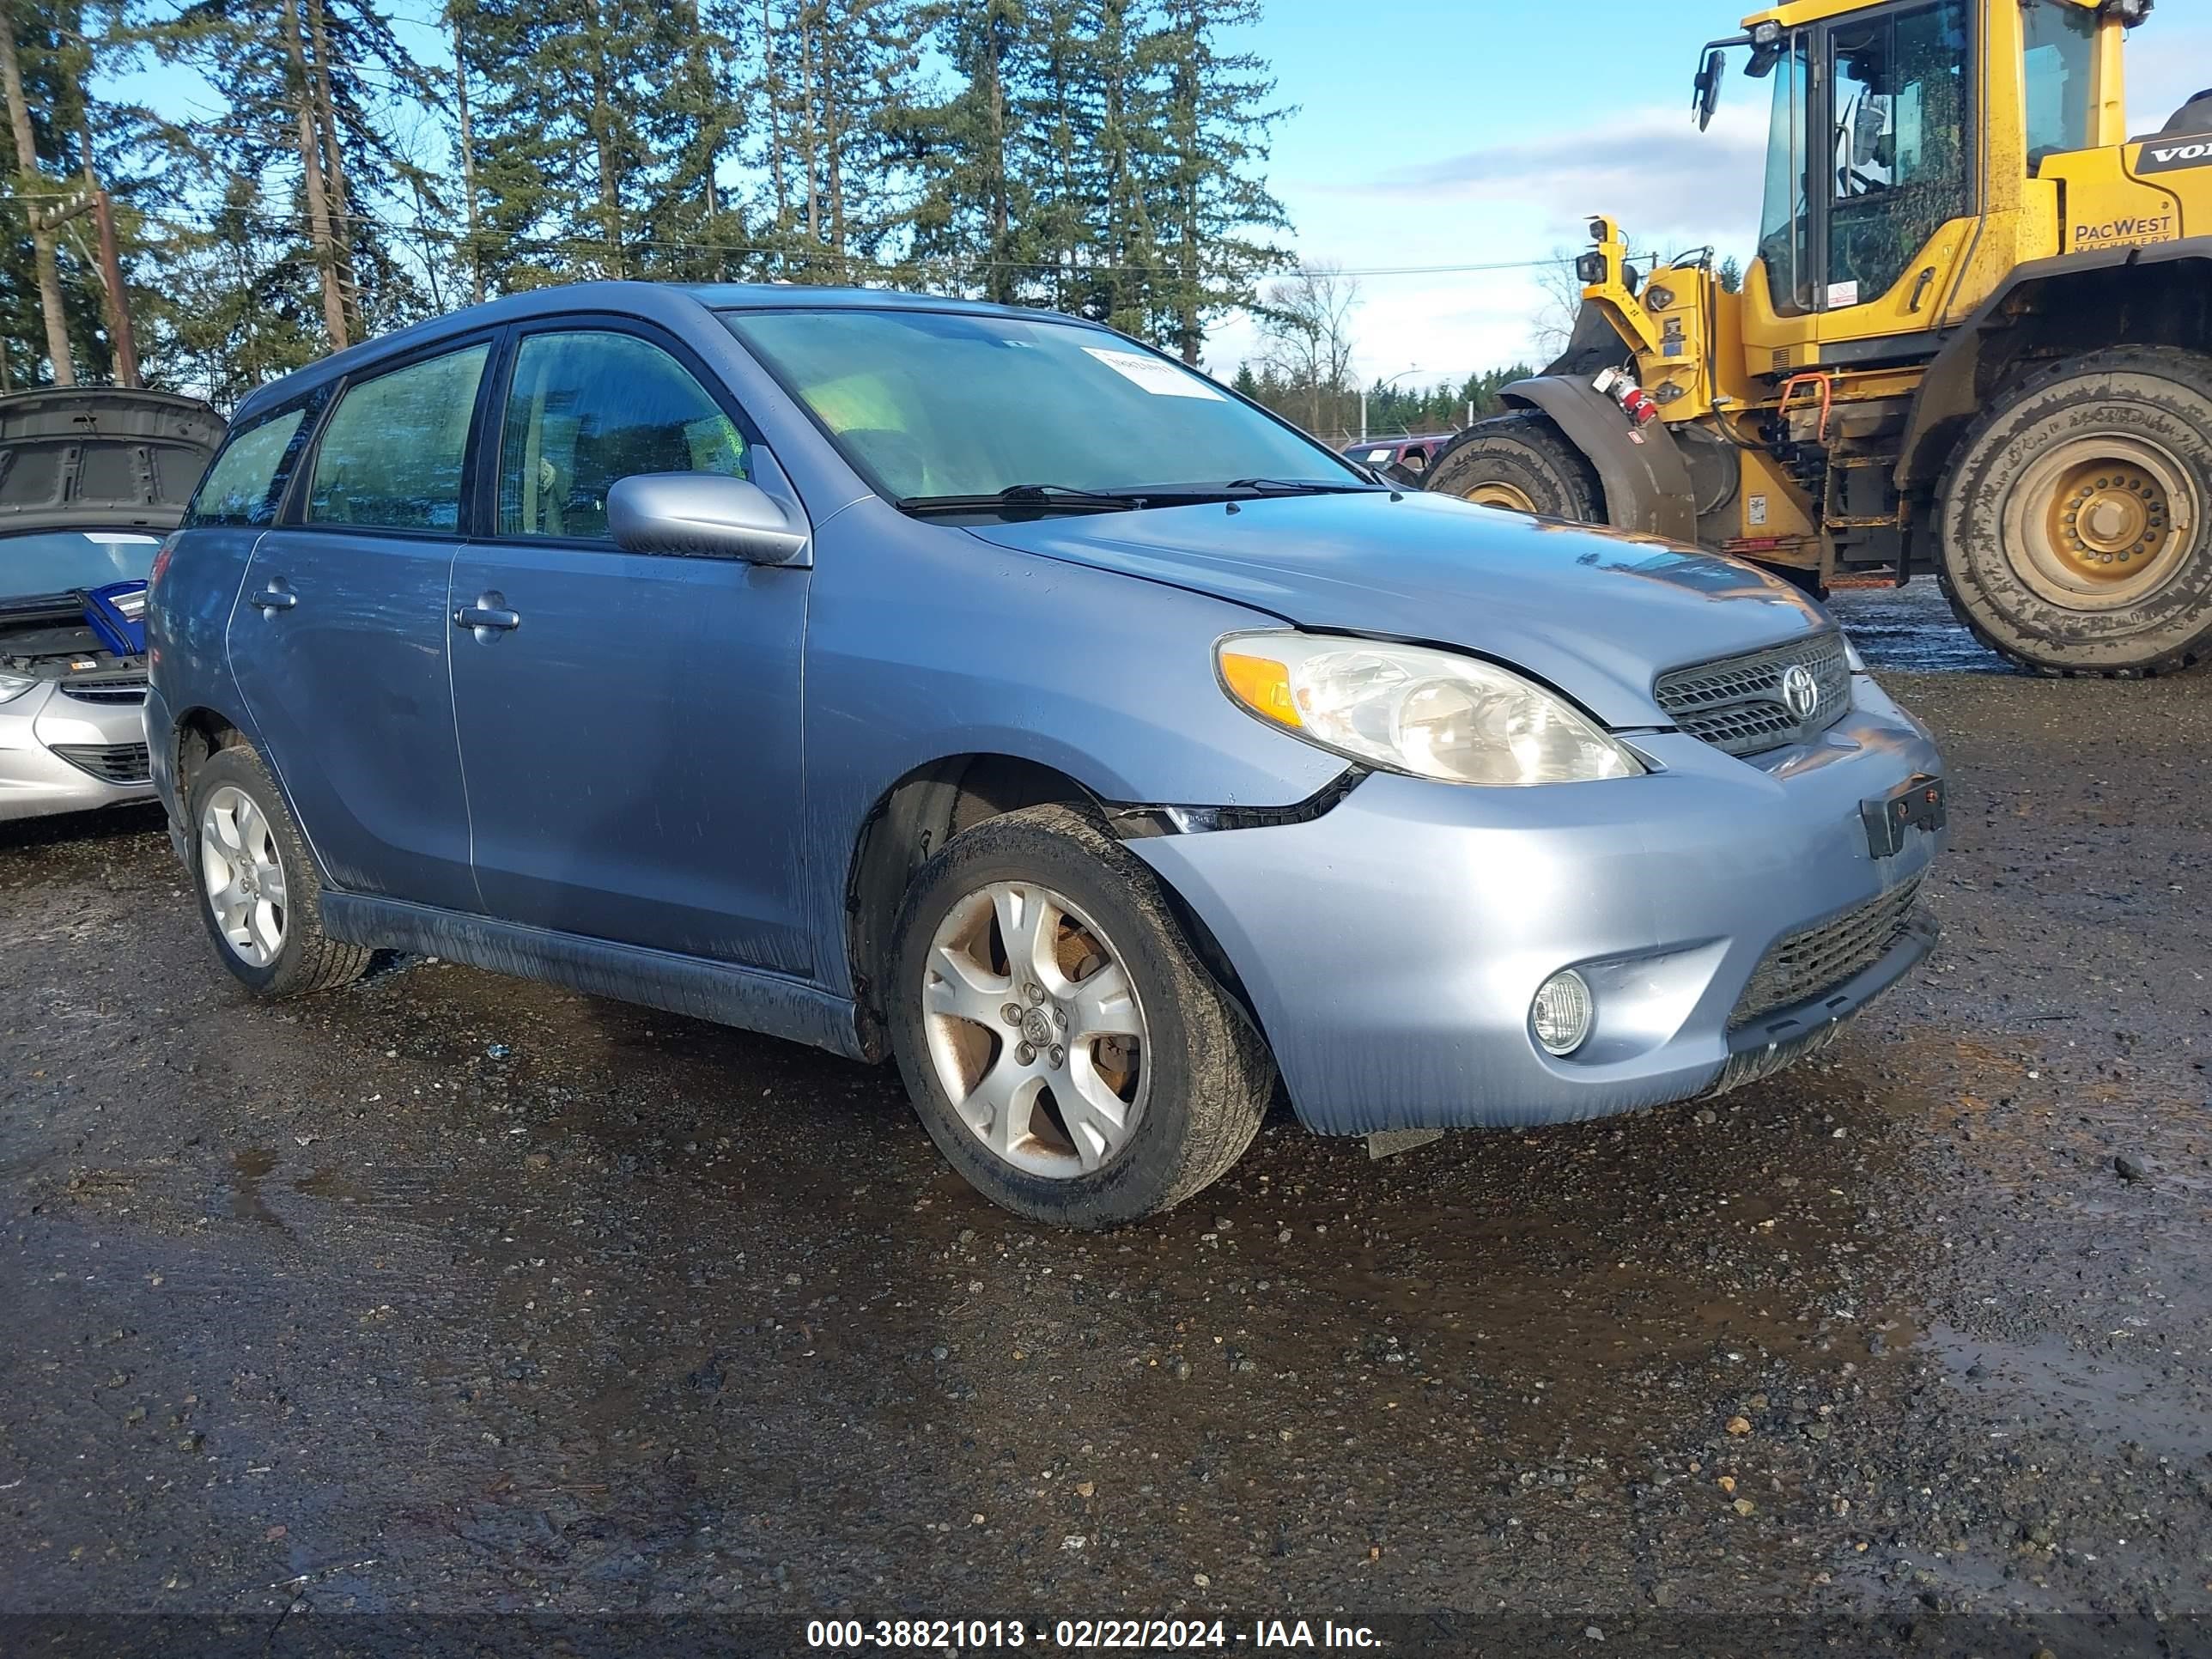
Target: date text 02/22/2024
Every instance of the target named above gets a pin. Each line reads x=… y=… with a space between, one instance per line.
x=1083 y=1635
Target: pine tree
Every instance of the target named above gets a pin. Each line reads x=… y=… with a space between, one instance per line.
x=1216 y=210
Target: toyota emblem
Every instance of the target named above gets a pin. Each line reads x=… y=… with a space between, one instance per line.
x=1801 y=692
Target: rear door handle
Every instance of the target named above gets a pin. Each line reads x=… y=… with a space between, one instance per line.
x=274 y=598
x=488 y=616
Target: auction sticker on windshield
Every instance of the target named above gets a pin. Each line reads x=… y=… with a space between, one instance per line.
x=1162 y=380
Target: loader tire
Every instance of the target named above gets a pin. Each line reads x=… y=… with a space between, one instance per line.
x=2076 y=517
x=1522 y=462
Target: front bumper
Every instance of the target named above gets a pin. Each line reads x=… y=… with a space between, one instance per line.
x=41 y=729
x=1391 y=945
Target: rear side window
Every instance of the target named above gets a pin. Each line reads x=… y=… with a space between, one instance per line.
x=391 y=452
x=240 y=487
x=587 y=408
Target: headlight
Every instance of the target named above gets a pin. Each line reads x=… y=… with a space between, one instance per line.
x=1852 y=660
x=13 y=686
x=1404 y=708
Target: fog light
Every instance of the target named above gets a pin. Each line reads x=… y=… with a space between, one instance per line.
x=1560 y=1016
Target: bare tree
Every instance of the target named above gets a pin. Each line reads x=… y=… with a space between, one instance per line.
x=1306 y=322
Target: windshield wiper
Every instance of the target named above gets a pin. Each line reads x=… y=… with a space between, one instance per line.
x=1026 y=495
x=1301 y=487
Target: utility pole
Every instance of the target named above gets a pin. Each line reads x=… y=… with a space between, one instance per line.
x=119 y=332
x=29 y=185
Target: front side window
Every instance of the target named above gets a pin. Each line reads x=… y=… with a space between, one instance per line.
x=1901 y=163
x=240 y=487
x=935 y=404
x=2062 y=68
x=588 y=408
x=391 y=454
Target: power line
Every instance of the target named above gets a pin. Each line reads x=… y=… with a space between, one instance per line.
x=212 y=219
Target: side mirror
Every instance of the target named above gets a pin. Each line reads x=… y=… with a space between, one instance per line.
x=705 y=515
x=1869 y=124
x=1707 y=97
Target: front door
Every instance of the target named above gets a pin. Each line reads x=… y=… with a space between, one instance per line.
x=630 y=723
x=339 y=637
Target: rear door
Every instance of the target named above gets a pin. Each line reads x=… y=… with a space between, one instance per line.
x=339 y=637
x=631 y=730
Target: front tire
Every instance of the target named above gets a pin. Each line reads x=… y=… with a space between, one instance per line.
x=1063 y=1044
x=2076 y=516
x=1521 y=462
x=259 y=896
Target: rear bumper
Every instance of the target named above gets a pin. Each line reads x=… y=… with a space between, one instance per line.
x=1391 y=947
x=40 y=729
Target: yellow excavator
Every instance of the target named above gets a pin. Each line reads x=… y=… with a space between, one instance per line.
x=1977 y=337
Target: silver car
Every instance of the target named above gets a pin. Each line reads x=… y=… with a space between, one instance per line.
x=91 y=480
x=985 y=690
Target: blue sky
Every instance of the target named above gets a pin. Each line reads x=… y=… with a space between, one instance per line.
x=1464 y=132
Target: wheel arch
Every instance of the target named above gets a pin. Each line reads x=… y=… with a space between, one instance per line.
x=2161 y=295
x=913 y=818
x=1645 y=480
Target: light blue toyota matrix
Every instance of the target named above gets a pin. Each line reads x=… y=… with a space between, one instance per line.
x=982 y=688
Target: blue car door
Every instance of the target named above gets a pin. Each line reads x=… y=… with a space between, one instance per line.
x=630 y=723
x=340 y=635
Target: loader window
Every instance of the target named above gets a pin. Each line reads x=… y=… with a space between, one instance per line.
x=2061 y=67
x=1785 y=226
x=1901 y=158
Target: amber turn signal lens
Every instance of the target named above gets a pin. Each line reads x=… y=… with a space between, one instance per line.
x=1262 y=684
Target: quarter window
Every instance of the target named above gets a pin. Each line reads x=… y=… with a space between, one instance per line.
x=391 y=457
x=588 y=408
x=240 y=488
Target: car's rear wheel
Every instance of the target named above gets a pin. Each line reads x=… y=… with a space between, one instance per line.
x=1065 y=1047
x=259 y=892
x=1523 y=463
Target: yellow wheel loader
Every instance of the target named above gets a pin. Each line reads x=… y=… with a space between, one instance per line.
x=1977 y=336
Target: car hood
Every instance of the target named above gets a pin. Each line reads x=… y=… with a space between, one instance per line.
x=1597 y=613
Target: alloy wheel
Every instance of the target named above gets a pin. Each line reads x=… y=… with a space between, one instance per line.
x=1036 y=1030
x=243 y=875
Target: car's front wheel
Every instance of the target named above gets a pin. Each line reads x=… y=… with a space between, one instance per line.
x=1065 y=1047
x=259 y=892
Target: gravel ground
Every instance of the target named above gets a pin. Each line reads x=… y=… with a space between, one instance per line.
x=448 y=1295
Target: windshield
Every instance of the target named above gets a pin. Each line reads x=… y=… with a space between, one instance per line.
x=42 y=562
x=932 y=404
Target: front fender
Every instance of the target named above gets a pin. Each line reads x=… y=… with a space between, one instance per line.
x=1646 y=482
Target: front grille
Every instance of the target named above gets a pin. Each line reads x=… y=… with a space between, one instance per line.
x=1737 y=703
x=112 y=762
x=1819 y=958
x=123 y=688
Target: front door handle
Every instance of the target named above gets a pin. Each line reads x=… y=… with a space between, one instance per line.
x=274 y=598
x=486 y=617
x=1920 y=288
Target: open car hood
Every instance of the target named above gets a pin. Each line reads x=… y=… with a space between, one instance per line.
x=101 y=457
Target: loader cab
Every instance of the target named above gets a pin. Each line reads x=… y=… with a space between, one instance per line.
x=1901 y=155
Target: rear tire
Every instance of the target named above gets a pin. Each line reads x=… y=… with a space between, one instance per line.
x=1041 y=915
x=259 y=896
x=2076 y=517
x=1521 y=462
